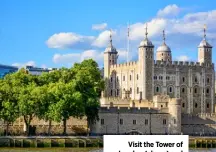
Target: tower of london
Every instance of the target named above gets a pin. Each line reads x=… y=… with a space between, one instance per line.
x=169 y=95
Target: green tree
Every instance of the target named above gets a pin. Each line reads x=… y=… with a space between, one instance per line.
x=90 y=84
x=68 y=102
x=8 y=103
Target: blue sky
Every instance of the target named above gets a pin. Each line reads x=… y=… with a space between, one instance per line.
x=59 y=33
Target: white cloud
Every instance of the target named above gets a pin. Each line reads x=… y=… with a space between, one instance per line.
x=103 y=39
x=69 y=40
x=169 y=11
x=99 y=26
x=78 y=57
x=20 y=65
x=183 y=58
x=97 y=55
x=155 y=27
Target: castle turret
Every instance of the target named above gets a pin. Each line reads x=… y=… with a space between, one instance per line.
x=204 y=50
x=146 y=67
x=163 y=51
x=110 y=58
x=174 y=123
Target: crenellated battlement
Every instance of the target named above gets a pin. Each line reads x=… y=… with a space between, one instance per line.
x=126 y=64
x=159 y=63
x=134 y=110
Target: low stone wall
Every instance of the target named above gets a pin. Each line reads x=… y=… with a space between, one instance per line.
x=24 y=142
x=74 y=126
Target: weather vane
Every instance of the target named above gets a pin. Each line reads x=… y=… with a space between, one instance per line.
x=164 y=36
x=204 y=31
x=146 y=33
x=110 y=36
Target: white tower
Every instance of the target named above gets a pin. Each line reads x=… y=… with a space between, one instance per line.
x=146 y=68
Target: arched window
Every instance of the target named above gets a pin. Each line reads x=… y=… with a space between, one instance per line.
x=207 y=105
x=196 y=105
x=207 y=90
x=111 y=79
x=195 y=79
x=183 y=105
x=117 y=79
x=170 y=89
x=183 y=79
x=183 y=90
x=157 y=89
x=207 y=80
x=130 y=90
x=130 y=77
x=137 y=76
x=195 y=90
x=111 y=92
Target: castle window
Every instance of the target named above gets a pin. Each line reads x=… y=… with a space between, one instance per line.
x=207 y=90
x=183 y=90
x=134 y=122
x=157 y=89
x=207 y=80
x=195 y=90
x=164 y=121
x=146 y=121
x=195 y=79
x=174 y=121
x=117 y=92
x=111 y=92
x=130 y=90
x=137 y=76
x=183 y=105
x=162 y=54
x=161 y=106
x=121 y=121
x=170 y=89
x=130 y=77
x=207 y=105
x=183 y=79
x=123 y=78
x=137 y=90
x=111 y=79
x=196 y=105
x=102 y=121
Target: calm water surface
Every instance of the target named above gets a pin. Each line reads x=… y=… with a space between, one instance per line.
x=71 y=150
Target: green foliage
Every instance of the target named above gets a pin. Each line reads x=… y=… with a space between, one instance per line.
x=53 y=96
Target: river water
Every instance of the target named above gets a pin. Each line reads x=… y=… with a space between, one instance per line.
x=71 y=150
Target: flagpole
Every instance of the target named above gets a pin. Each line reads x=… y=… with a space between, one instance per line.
x=128 y=42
